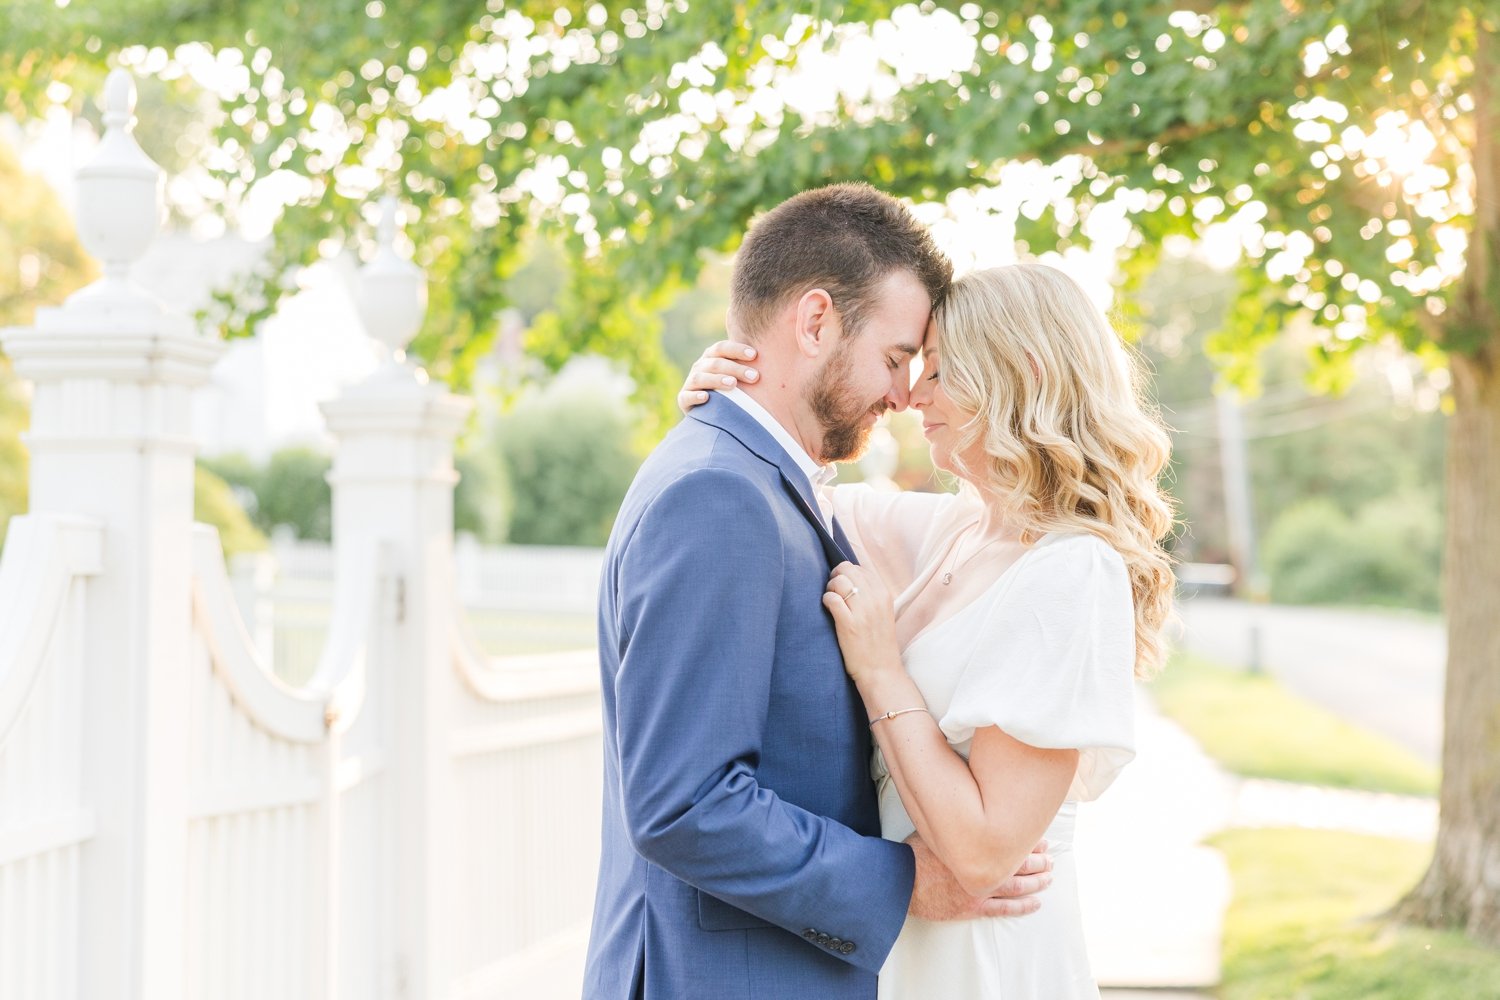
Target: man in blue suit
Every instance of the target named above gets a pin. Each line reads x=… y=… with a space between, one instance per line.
x=741 y=852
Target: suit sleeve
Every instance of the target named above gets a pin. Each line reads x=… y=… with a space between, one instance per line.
x=701 y=582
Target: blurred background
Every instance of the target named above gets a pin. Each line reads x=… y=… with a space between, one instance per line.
x=1280 y=205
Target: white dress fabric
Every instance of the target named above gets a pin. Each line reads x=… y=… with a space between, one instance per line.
x=1046 y=654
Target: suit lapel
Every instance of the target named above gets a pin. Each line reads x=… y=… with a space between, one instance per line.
x=842 y=539
x=729 y=417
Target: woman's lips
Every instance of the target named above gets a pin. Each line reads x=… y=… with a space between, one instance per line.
x=927 y=429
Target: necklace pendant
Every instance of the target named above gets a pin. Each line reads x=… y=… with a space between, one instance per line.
x=947 y=579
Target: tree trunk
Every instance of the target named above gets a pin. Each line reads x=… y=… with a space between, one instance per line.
x=1462 y=886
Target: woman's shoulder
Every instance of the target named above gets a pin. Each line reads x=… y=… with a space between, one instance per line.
x=1071 y=562
x=1077 y=548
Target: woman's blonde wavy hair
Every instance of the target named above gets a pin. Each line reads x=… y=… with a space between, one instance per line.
x=1071 y=444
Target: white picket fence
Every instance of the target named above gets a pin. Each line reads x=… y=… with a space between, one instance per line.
x=413 y=818
x=517 y=599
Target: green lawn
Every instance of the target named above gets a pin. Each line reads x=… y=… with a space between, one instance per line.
x=515 y=633
x=1255 y=727
x=1304 y=923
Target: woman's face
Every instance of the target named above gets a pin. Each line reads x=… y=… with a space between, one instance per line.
x=942 y=418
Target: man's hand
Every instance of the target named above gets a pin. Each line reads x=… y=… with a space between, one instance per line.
x=937 y=896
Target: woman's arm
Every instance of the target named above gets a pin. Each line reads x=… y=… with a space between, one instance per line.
x=980 y=817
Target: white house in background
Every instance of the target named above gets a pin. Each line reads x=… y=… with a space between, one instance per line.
x=264 y=392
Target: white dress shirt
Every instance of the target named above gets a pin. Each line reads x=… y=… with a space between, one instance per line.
x=818 y=476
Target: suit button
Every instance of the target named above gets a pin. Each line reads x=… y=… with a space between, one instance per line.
x=810 y=934
x=824 y=940
x=834 y=944
x=847 y=948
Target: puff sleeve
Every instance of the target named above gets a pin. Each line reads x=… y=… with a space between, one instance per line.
x=1053 y=663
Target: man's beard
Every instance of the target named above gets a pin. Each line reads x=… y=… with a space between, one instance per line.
x=840 y=412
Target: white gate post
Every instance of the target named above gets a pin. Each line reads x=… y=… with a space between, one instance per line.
x=110 y=439
x=393 y=481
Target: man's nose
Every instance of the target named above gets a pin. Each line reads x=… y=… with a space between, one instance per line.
x=899 y=395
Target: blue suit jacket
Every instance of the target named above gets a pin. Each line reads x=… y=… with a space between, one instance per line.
x=741 y=852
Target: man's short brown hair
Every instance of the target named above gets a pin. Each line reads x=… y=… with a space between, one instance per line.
x=844 y=239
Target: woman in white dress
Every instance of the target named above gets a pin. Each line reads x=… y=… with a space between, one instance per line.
x=994 y=635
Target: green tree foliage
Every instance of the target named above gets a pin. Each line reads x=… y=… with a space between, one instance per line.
x=41 y=262
x=13 y=459
x=1355 y=451
x=1183 y=117
x=696 y=318
x=1311 y=457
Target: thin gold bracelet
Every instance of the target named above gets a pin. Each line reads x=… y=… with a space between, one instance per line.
x=891 y=715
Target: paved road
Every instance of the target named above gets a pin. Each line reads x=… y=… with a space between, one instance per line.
x=1378 y=669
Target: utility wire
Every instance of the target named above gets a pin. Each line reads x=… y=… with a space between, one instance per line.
x=1289 y=422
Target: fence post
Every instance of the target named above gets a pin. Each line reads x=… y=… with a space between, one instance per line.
x=110 y=439
x=393 y=480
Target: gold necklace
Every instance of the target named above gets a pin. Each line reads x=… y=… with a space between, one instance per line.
x=955 y=563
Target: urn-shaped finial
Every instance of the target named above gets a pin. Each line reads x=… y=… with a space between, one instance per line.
x=392 y=290
x=119 y=189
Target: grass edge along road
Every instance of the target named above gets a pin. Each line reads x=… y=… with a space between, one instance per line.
x=1305 y=920
x=1305 y=923
x=1254 y=727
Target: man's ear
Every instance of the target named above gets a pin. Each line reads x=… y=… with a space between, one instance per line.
x=818 y=325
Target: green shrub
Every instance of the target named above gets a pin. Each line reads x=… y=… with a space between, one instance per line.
x=553 y=471
x=570 y=460
x=294 y=490
x=1389 y=552
x=483 y=499
x=291 y=489
x=1305 y=552
x=214 y=503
